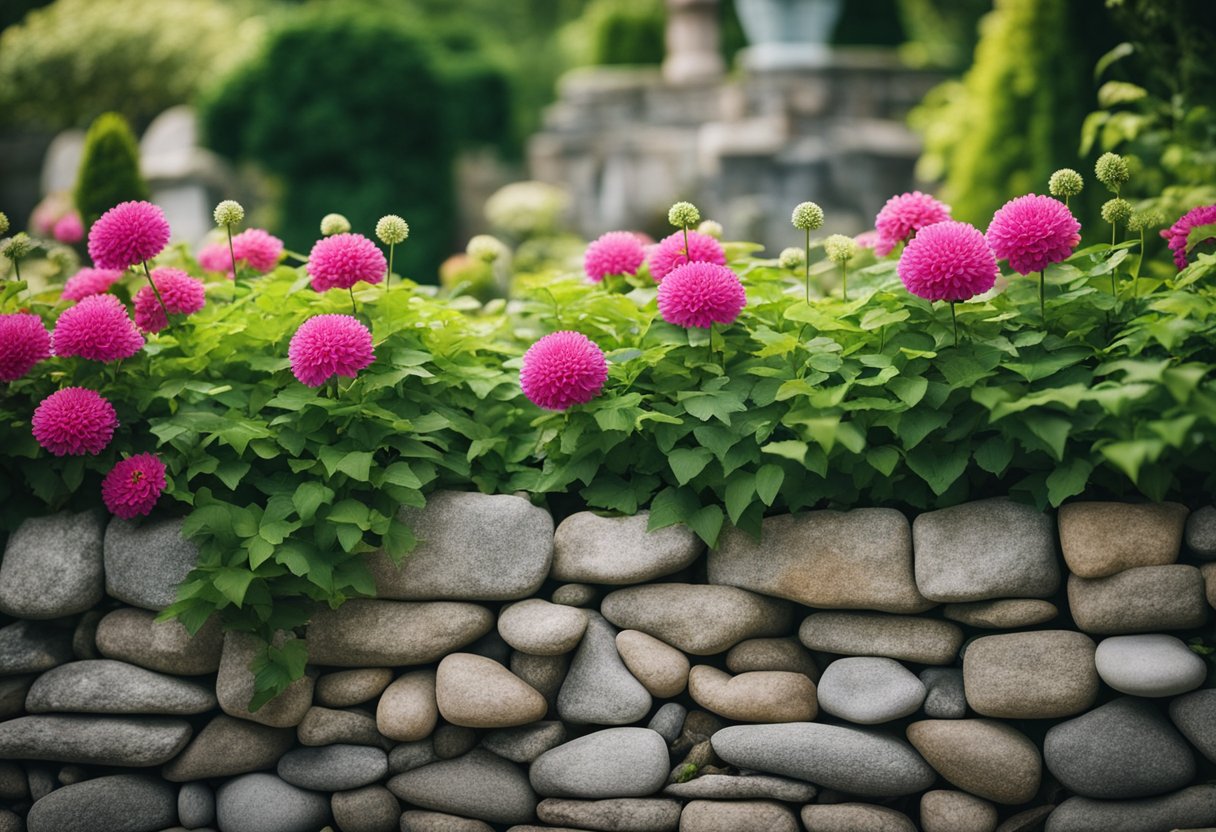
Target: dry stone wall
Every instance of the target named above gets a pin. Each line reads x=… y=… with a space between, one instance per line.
x=982 y=667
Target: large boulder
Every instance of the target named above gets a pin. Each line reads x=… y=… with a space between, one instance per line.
x=99 y=740
x=146 y=561
x=364 y=632
x=104 y=686
x=1144 y=599
x=589 y=548
x=119 y=803
x=1103 y=538
x=135 y=636
x=52 y=566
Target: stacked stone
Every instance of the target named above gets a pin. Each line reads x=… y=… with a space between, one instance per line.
x=982 y=667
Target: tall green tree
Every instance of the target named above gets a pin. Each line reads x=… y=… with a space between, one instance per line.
x=109 y=169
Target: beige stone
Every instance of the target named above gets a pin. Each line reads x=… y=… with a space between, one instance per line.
x=545 y=673
x=366 y=632
x=329 y=726
x=135 y=636
x=407 y=710
x=1037 y=675
x=352 y=687
x=661 y=668
x=226 y=747
x=755 y=696
x=904 y=637
x=772 y=654
x=589 y=548
x=234 y=684
x=987 y=758
x=476 y=692
x=949 y=811
x=1101 y=538
x=737 y=816
x=1208 y=573
x=855 y=817
x=1002 y=614
x=543 y=629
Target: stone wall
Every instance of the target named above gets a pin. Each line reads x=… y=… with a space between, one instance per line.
x=981 y=665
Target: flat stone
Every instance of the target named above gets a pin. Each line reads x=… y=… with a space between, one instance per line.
x=11 y=822
x=351 y=687
x=526 y=742
x=472 y=547
x=415 y=820
x=367 y=632
x=617 y=814
x=737 y=816
x=146 y=561
x=13 y=784
x=1029 y=821
x=1003 y=613
x=478 y=785
x=545 y=673
x=1208 y=572
x=535 y=626
x=328 y=726
x=491 y=646
x=854 y=760
x=477 y=692
x=369 y=809
x=101 y=740
x=34 y=646
x=42 y=781
x=860 y=559
x=592 y=549
x=228 y=746
x=615 y=762
x=71 y=774
x=453 y=741
x=599 y=689
x=84 y=636
x=120 y=803
x=1201 y=532
x=855 y=817
x=333 y=768
x=668 y=721
x=1121 y=750
x=661 y=668
x=1038 y=675
x=1194 y=714
x=575 y=595
x=755 y=696
x=1143 y=599
x=264 y=803
x=903 y=637
x=13 y=690
x=944 y=696
x=135 y=636
x=234 y=685
x=987 y=758
x=52 y=566
x=772 y=654
x=411 y=755
x=1191 y=808
x=697 y=618
x=1149 y=665
x=196 y=805
x=105 y=686
x=743 y=787
x=869 y=690
x=949 y=811
x=407 y=710
x=1100 y=538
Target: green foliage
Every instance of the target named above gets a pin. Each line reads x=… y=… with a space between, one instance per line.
x=941 y=32
x=627 y=33
x=109 y=168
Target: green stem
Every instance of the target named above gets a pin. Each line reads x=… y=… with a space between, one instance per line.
x=159 y=299
x=389 y=277
x=354 y=310
x=808 y=266
x=1114 y=229
x=844 y=280
x=954 y=321
x=687 y=250
x=232 y=254
x=1043 y=295
x=17 y=267
x=1139 y=260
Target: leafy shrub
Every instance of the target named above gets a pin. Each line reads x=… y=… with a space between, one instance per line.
x=109 y=168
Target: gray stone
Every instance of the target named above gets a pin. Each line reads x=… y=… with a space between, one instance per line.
x=407 y=710
x=1003 y=613
x=102 y=740
x=84 y=637
x=1201 y=532
x=950 y=811
x=1190 y=808
x=1100 y=538
x=1144 y=599
x=12 y=695
x=228 y=746
x=11 y=822
x=737 y=816
x=13 y=785
x=854 y=760
x=575 y=595
x=146 y=561
x=617 y=814
x=52 y=566
x=369 y=809
x=327 y=726
x=755 y=696
x=869 y=690
x=264 y=803
x=411 y=755
x=453 y=741
x=1195 y=716
x=72 y=774
x=491 y=646
x=697 y=618
x=743 y=787
x=944 y=697
x=772 y=654
x=903 y=637
x=472 y=546
x=1149 y=665
x=1031 y=820
x=599 y=689
x=333 y=768
x=860 y=559
x=105 y=686
x=367 y=632
x=34 y=646
x=592 y=549
x=987 y=758
x=668 y=721
x=135 y=636
x=196 y=805
x=416 y=820
x=477 y=785
x=855 y=817
x=234 y=684
x=41 y=781
x=535 y=626
x=121 y=803
x=1123 y=749
x=545 y=673
x=476 y=692
x=351 y=687
x=527 y=742
x=1038 y=675
x=615 y=762
x=661 y=668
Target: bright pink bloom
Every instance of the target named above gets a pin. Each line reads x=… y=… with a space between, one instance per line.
x=866 y=239
x=182 y=294
x=97 y=328
x=670 y=253
x=258 y=249
x=24 y=342
x=215 y=257
x=75 y=421
x=329 y=345
x=1177 y=233
x=903 y=216
x=563 y=369
x=949 y=261
x=133 y=486
x=90 y=282
x=341 y=261
x=1032 y=232
x=701 y=294
x=69 y=228
x=617 y=252
x=127 y=235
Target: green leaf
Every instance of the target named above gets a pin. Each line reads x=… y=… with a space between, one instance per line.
x=994 y=455
x=1067 y=480
x=909 y=389
x=883 y=459
x=707 y=523
x=399 y=540
x=686 y=463
x=231 y=473
x=938 y=466
x=233 y=583
x=400 y=473
x=787 y=448
x=769 y=478
x=1052 y=430
x=1129 y=456
x=739 y=493
x=671 y=506
x=351 y=512
x=309 y=496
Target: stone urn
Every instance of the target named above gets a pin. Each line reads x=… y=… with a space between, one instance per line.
x=787 y=33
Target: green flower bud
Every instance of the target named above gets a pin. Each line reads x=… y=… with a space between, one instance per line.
x=1146 y=220
x=3 y=223
x=1116 y=211
x=840 y=248
x=711 y=229
x=63 y=258
x=485 y=248
x=229 y=212
x=332 y=224
x=684 y=215
x=791 y=258
x=1065 y=182
x=391 y=229
x=17 y=246
x=807 y=216
x=1112 y=171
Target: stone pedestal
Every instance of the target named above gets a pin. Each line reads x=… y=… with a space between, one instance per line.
x=694 y=43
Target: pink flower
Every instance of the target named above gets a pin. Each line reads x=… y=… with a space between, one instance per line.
x=1178 y=233
x=341 y=261
x=329 y=345
x=24 y=342
x=182 y=294
x=261 y=251
x=90 y=282
x=701 y=294
x=617 y=252
x=128 y=234
x=133 y=486
x=903 y=216
x=69 y=228
x=1032 y=232
x=75 y=421
x=949 y=261
x=670 y=253
x=215 y=257
x=563 y=369
x=866 y=239
x=97 y=328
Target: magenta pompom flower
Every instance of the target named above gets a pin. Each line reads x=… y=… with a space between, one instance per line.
x=74 y=421
x=182 y=294
x=24 y=342
x=617 y=252
x=1177 y=234
x=329 y=345
x=258 y=249
x=341 y=261
x=948 y=261
x=215 y=257
x=68 y=228
x=669 y=253
x=127 y=235
x=97 y=328
x=563 y=369
x=90 y=282
x=133 y=486
x=1032 y=232
x=904 y=215
x=700 y=295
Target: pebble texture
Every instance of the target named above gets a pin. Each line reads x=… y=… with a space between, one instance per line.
x=1141 y=600
x=599 y=689
x=1201 y=532
x=1100 y=539
x=1191 y=808
x=104 y=686
x=145 y=562
x=982 y=756
x=592 y=549
x=615 y=762
x=1038 y=675
x=364 y=632
x=478 y=785
x=52 y=566
x=476 y=692
x=948 y=811
x=1149 y=665
x=855 y=817
x=135 y=636
x=264 y=803
x=755 y=696
x=620 y=814
x=661 y=668
x=120 y=802
x=869 y=690
x=100 y=740
x=903 y=637
x=543 y=629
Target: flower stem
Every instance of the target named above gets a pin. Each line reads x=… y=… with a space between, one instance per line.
x=808 y=267
x=687 y=250
x=844 y=280
x=1043 y=295
x=1114 y=230
x=159 y=299
x=354 y=310
x=232 y=254
x=1139 y=261
x=388 y=278
x=954 y=321
x=17 y=267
